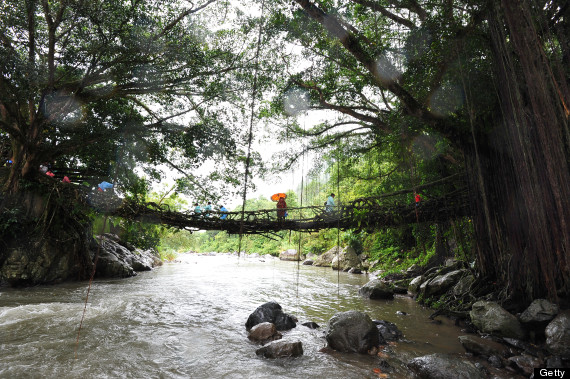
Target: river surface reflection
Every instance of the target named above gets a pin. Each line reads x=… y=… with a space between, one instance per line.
x=187 y=320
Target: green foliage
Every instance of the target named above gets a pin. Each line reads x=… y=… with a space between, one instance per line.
x=10 y=222
x=141 y=235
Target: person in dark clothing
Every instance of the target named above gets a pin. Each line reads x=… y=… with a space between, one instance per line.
x=281 y=209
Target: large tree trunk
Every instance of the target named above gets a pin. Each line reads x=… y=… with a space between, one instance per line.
x=521 y=171
x=25 y=164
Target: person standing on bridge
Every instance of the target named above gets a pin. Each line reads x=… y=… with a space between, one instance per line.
x=281 y=209
x=329 y=205
x=224 y=212
x=197 y=209
x=207 y=209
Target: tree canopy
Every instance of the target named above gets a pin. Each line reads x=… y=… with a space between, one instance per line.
x=111 y=85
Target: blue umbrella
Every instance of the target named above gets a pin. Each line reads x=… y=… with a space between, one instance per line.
x=105 y=185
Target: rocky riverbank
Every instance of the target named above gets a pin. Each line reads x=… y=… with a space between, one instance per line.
x=498 y=343
x=30 y=263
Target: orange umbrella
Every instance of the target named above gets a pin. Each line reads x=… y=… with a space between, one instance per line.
x=275 y=197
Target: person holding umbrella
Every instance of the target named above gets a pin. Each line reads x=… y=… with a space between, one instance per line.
x=281 y=207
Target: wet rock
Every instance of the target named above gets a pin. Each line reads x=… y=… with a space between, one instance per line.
x=289 y=255
x=490 y=317
x=376 y=289
x=118 y=259
x=495 y=361
x=389 y=331
x=264 y=333
x=311 y=325
x=524 y=363
x=345 y=260
x=271 y=312
x=442 y=366
x=325 y=259
x=280 y=349
x=539 y=311
x=355 y=270
x=558 y=335
x=111 y=265
x=480 y=346
x=308 y=262
x=442 y=283
x=414 y=286
x=352 y=332
x=463 y=285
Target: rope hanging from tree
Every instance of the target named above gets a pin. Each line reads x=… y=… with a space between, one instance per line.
x=250 y=134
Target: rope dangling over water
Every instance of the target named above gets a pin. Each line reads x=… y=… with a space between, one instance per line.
x=250 y=134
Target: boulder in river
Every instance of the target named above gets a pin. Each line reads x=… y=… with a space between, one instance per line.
x=264 y=333
x=279 y=349
x=120 y=260
x=490 y=317
x=376 y=289
x=352 y=332
x=442 y=366
x=289 y=255
x=271 y=312
x=388 y=330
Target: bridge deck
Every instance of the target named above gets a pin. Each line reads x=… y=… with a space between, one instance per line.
x=358 y=214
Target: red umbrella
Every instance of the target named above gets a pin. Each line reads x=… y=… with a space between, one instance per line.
x=275 y=197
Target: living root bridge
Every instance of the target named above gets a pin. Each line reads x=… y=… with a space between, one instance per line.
x=364 y=213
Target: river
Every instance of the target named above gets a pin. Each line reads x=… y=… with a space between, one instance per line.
x=187 y=320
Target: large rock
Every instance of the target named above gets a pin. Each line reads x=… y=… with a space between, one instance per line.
x=414 y=286
x=279 y=349
x=29 y=257
x=442 y=283
x=481 y=346
x=558 y=335
x=325 y=259
x=264 y=332
x=111 y=263
x=271 y=312
x=388 y=330
x=120 y=260
x=525 y=363
x=352 y=332
x=376 y=289
x=463 y=285
x=345 y=260
x=442 y=366
x=490 y=317
x=539 y=311
x=289 y=255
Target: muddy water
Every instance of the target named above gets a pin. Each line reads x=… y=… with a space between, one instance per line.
x=186 y=320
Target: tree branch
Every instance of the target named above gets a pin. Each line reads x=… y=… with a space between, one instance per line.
x=382 y=10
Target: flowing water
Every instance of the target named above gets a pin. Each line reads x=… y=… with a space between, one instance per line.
x=187 y=320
